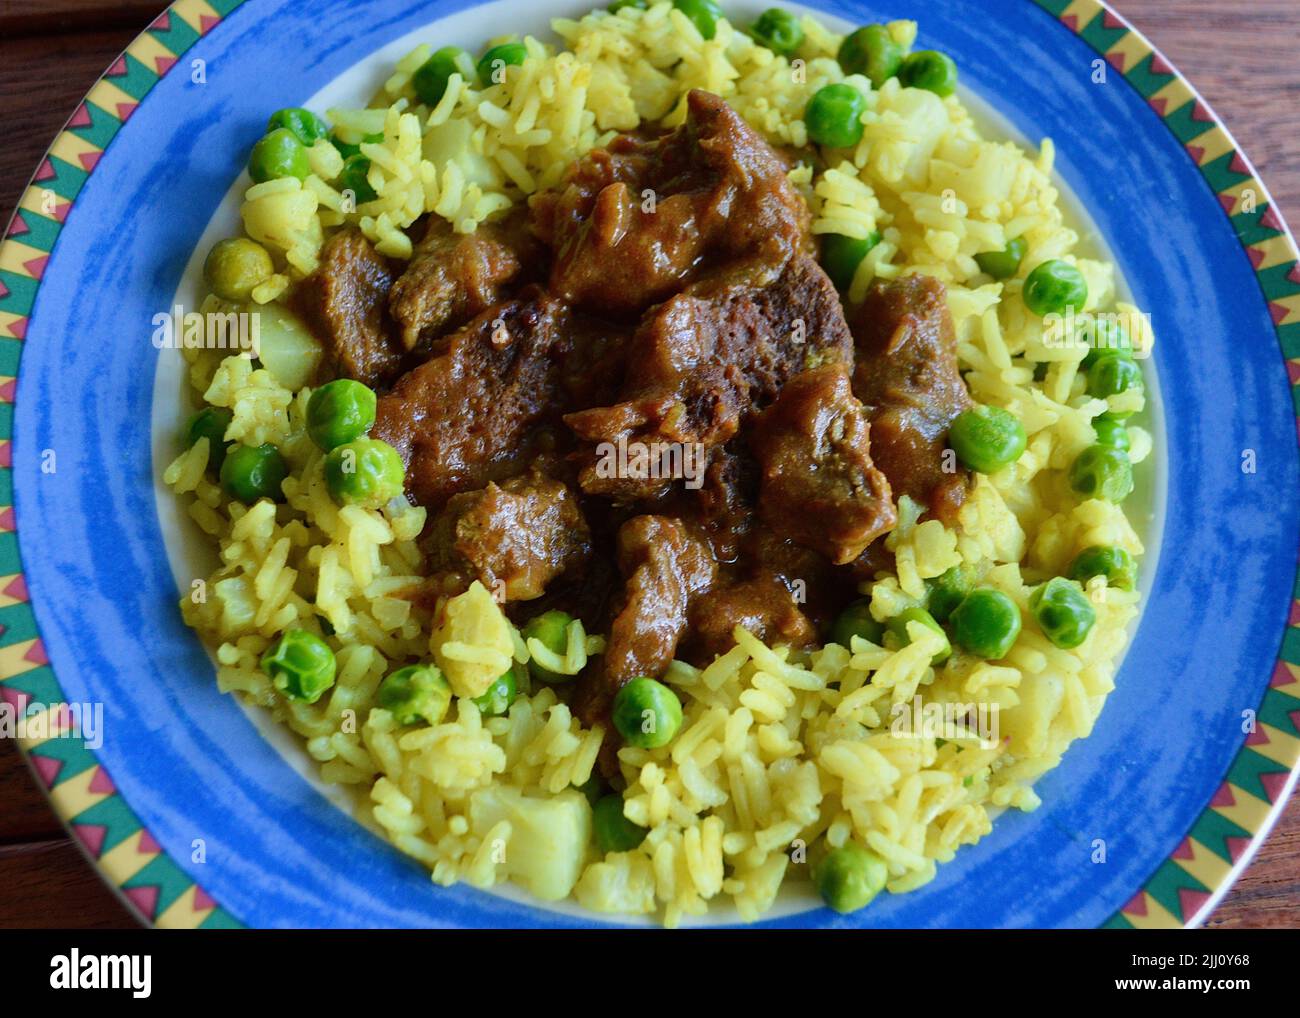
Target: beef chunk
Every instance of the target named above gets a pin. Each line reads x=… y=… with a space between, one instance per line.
x=594 y=371
x=517 y=536
x=638 y=220
x=701 y=361
x=724 y=504
x=762 y=604
x=819 y=588
x=467 y=415
x=819 y=486
x=454 y=276
x=907 y=378
x=344 y=302
x=667 y=567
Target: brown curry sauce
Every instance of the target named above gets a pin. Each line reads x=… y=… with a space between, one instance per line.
x=665 y=299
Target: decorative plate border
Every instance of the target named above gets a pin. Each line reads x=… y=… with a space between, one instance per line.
x=1178 y=893
x=80 y=790
x=1242 y=811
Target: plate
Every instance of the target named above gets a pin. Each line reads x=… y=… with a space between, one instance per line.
x=197 y=820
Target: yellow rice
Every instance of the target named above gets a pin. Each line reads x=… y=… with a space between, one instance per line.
x=777 y=750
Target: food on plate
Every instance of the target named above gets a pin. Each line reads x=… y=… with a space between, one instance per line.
x=651 y=435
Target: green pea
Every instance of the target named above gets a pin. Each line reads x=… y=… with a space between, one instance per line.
x=619 y=5
x=871 y=51
x=986 y=623
x=1005 y=263
x=842 y=255
x=1112 y=375
x=365 y=472
x=1109 y=339
x=300 y=664
x=340 y=411
x=278 y=154
x=1102 y=472
x=250 y=472
x=1063 y=612
x=898 y=629
x=235 y=266
x=416 y=694
x=933 y=71
x=1117 y=565
x=1111 y=431
x=353 y=178
x=1053 y=287
x=703 y=14
x=492 y=64
x=947 y=592
x=856 y=620
x=551 y=629
x=833 y=116
x=647 y=713
x=431 y=77
x=348 y=149
x=614 y=831
x=593 y=789
x=987 y=438
x=849 y=877
x=779 y=30
x=498 y=697
x=211 y=423
x=303 y=124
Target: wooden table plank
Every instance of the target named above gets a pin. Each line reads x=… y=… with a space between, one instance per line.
x=46 y=887
x=42 y=81
x=24 y=813
x=25 y=17
x=1242 y=60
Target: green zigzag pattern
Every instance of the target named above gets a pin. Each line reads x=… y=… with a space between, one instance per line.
x=162 y=873
x=40 y=232
x=38 y=683
x=1211 y=829
x=118 y=820
x=102 y=128
x=1147 y=81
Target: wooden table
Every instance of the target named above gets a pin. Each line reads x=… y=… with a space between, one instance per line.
x=52 y=53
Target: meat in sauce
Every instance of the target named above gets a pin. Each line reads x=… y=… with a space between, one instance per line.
x=637 y=221
x=820 y=488
x=469 y=414
x=762 y=604
x=708 y=357
x=907 y=378
x=515 y=537
x=682 y=309
x=667 y=567
x=344 y=300
x=454 y=276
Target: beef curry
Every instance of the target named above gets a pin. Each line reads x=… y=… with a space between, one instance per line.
x=664 y=305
